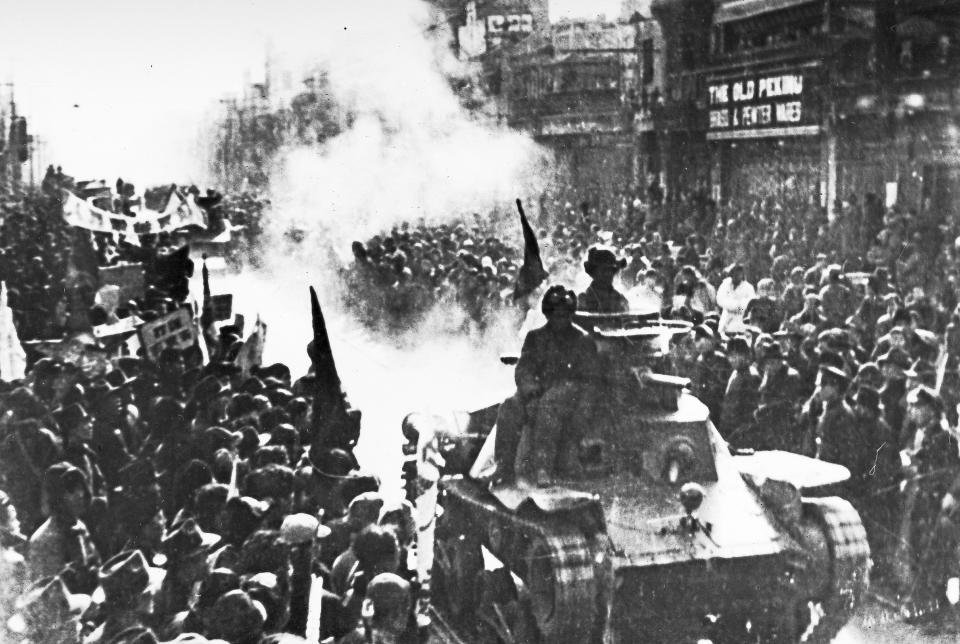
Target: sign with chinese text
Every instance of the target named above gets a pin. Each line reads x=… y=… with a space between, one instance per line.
x=174 y=330
x=762 y=105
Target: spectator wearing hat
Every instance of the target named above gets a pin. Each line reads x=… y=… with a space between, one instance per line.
x=741 y=397
x=602 y=266
x=556 y=363
x=63 y=539
x=732 y=297
x=186 y=548
x=877 y=467
x=833 y=418
x=128 y=587
x=893 y=366
x=711 y=372
x=781 y=390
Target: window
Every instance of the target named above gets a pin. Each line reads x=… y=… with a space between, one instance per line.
x=646 y=56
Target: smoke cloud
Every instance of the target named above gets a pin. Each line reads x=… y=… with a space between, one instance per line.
x=412 y=151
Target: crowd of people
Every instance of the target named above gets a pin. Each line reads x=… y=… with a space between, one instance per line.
x=838 y=339
x=176 y=498
x=172 y=495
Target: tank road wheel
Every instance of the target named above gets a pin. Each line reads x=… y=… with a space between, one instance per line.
x=457 y=564
x=839 y=560
x=562 y=587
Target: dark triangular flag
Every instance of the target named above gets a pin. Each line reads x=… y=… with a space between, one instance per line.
x=532 y=273
x=320 y=352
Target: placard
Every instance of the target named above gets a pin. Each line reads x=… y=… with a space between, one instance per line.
x=222 y=307
x=174 y=330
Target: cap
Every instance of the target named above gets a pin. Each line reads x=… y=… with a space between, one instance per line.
x=302 y=528
x=738 y=345
x=895 y=357
x=704 y=331
x=926 y=396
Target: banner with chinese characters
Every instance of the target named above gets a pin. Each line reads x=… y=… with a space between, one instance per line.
x=179 y=213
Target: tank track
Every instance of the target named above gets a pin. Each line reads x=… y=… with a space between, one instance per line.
x=849 y=573
x=564 y=571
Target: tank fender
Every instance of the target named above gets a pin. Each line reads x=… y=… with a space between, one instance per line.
x=781 y=498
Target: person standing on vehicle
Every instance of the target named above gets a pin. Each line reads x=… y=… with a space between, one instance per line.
x=556 y=362
x=601 y=296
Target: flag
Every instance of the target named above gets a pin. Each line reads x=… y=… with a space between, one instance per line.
x=207 y=329
x=251 y=353
x=13 y=359
x=531 y=273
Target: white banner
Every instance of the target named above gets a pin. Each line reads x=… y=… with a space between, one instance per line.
x=178 y=213
x=13 y=359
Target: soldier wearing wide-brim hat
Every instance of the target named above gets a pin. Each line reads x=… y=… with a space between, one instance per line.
x=601 y=297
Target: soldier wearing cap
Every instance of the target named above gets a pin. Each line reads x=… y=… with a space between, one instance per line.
x=711 y=372
x=893 y=365
x=740 y=398
x=556 y=363
x=834 y=418
x=601 y=297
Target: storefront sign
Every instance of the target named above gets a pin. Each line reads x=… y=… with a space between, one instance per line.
x=762 y=105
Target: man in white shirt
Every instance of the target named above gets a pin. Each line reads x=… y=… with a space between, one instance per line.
x=732 y=297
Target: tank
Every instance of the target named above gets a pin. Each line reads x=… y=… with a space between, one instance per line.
x=666 y=536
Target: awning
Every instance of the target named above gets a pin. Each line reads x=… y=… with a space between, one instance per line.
x=740 y=9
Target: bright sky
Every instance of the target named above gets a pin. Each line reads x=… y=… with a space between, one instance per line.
x=121 y=88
